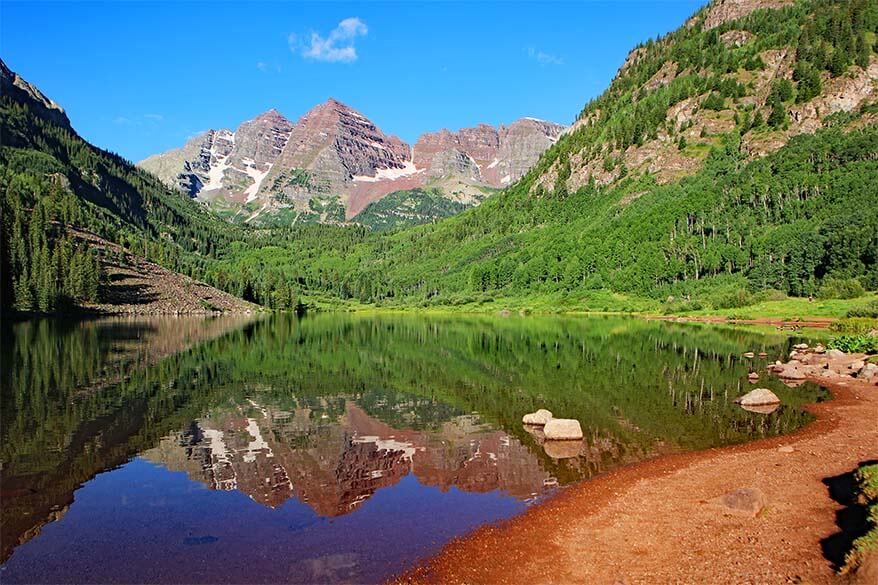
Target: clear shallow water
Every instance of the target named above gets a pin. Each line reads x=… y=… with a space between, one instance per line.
x=333 y=448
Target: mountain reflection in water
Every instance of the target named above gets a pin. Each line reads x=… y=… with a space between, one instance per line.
x=330 y=424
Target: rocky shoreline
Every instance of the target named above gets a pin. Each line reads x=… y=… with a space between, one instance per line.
x=822 y=364
x=762 y=512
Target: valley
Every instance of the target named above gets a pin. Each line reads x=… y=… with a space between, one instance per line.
x=724 y=164
x=298 y=347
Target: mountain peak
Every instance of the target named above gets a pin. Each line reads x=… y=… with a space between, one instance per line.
x=13 y=84
x=272 y=114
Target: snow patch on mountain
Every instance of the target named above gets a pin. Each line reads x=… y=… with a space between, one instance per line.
x=408 y=169
x=215 y=174
x=257 y=176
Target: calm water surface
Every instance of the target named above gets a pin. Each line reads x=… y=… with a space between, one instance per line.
x=333 y=448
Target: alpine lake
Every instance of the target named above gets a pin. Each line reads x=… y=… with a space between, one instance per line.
x=335 y=448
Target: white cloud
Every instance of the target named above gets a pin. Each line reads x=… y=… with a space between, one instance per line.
x=137 y=119
x=544 y=58
x=336 y=47
x=267 y=67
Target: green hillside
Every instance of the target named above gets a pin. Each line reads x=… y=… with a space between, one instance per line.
x=50 y=178
x=407 y=208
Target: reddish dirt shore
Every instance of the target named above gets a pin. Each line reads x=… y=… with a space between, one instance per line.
x=788 y=324
x=653 y=522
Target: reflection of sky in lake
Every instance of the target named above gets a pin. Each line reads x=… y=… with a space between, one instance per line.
x=152 y=525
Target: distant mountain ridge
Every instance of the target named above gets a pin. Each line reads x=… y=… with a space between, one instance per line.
x=334 y=162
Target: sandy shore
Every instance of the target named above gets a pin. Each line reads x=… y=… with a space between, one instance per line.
x=653 y=522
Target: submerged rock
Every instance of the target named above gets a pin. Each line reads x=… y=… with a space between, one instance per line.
x=537 y=432
x=758 y=397
x=761 y=408
x=539 y=418
x=563 y=449
x=742 y=501
x=563 y=429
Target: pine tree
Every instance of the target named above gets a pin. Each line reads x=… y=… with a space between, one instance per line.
x=863 y=52
x=778 y=115
x=45 y=280
x=24 y=300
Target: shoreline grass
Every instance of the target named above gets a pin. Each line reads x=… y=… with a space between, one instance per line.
x=609 y=303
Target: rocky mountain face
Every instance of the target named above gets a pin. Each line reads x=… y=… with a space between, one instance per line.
x=224 y=164
x=495 y=157
x=722 y=11
x=334 y=162
x=12 y=84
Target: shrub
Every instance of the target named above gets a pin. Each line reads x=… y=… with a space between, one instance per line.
x=855 y=344
x=753 y=63
x=739 y=317
x=867 y=496
x=733 y=300
x=855 y=325
x=673 y=307
x=769 y=294
x=713 y=102
x=840 y=288
x=870 y=310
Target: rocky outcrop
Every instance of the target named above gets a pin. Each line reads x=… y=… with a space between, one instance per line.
x=722 y=11
x=661 y=155
x=13 y=84
x=736 y=38
x=663 y=76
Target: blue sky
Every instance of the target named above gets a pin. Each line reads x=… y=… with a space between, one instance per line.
x=138 y=78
